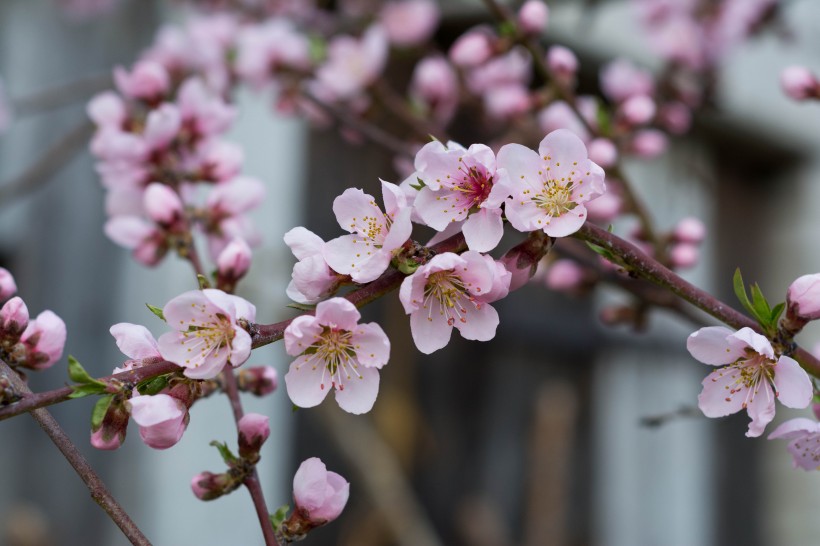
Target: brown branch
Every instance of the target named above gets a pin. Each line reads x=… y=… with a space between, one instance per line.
x=50 y=162
x=99 y=492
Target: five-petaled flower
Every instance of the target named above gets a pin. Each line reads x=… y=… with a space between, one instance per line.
x=207 y=332
x=804 y=441
x=751 y=377
x=335 y=351
x=549 y=188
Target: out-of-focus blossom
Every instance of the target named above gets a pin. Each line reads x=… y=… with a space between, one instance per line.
x=563 y=63
x=44 y=340
x=799 y=83
x=258 y=380
x=409 y=22
x=353 y=63
x=565 y=275
x=533 y=16
x=621 y=79
x=435 y=85
x=472 y=48
x=7 y=285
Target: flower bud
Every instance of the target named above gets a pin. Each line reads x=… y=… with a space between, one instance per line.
x=162 y=419
x=209 y=486
x=684 y=256
x=258 y=380
x=803 y=297
x=799 y=83
x=7 y=284
x=162 y=204
x=148 y=80
x=522 y=260
x=637 y=110
x=563 y=63
x=320 y=497
x=472 y=48
x=603 y=152
x=13 y=320
x=649 y=143
x=232 y=264
x=110 y=434
x=253 y=431
x=409 y=22
x=565 y=276
x=44 y=339
x=533 y=16
x=690 y=230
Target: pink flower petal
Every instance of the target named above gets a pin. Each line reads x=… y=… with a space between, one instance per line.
x=134 y=340
x=723 y=393
x=483 y=230
x=372 y=345
x=300 y=334
x=760 y=409
x=794 y=388
x=357 y=394
x=480 y=322
x=338 y=313
x=430 y=330
x=307 y=381
x=713 y=345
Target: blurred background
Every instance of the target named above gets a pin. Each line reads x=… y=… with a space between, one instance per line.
x=538 y=438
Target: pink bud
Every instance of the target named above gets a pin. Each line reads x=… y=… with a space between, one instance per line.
x=162 y=204
x=649 y=143
x=234 y=260
x=148 y=81
x=13 y=319
x=435 y=83
x=563 y=63
x=565 y=275
x=109 y=443
x=209 y=486
x=637 y=110
x=44 y=339
x=7 y=284
x=690 y=230
x=507 y=101
x=675 y=117
x=162 y=419
x=253 y=431
x=684 y=256
x=320 y=495
x=603 y=152
x=107 y=109
x=258 y=380
x=803 y=297
x=533 y=16
x=605 y=208
x=409 y=22
x=472 y=48
x=799 y=83
x=111 y=432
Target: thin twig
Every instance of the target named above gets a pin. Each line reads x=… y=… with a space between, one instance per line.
x=50 y=162
x=99 y=492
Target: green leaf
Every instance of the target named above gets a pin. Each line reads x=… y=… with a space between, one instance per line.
x=776 y=312
x=87 y=389
x=278 y=517
x=153 y=386
x=301 y=306
x=156 y=310
x=99 y=411
x=740 y=291
x=606 y=253
x=203 y=281
x=761 y=306
x=78 y=374
x=225 y=451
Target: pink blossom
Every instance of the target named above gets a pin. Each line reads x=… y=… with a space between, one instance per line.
x=751 y=377
x=649 y=143
x=162 y=419
x=559 y=115
x=226 y=206
x=637 y=110
x=472 y=48
x=107 y=109
x=7 y=285
x=605 y=208
x=621 y=80
x=162 y=204
x=453 y=291
x=549 y=188
x=458 y=181
x=263 y=50
x=435 y=84
x=147 y=80
x=234 y=261
x=209 y=486
x=690 y=230
x=507 y=101
x=409 y=22
x=353 y=64
x=135 y=342
x=684 y=256
x=253 y=431
x=207 y=333
x=565 y=276
x=148 y=243
x=44 y=339
x=13 y=320
x=514 y=68
x=803 y=436
x=204 y=113
x=533 y=16
x=562 y=63
x=100 y=439
x=161 y=127
x=219 y=160
x=319 y=494
x=603 y=152
x=258 y=380
x=334 y=351
x=366 y=253
x=312 y=279
x=799 y=83
x=803 y=297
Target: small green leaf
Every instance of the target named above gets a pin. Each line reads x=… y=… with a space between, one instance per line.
x=153 y=386
x=776 y=312
x=604 y=120
x=507 y=28
x=606 y=253
x=301 y=306
x=87 y=389
x=761 y=306
x=99 y=411
x=203 y=281
x=418 y=186
x=223 y=449
x=78 y=374
x=278 y=517
x=156 y=310
x=740 y=291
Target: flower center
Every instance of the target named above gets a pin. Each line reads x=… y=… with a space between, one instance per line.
x=555 y=198
x=447 y=292
x=334 y=348
x=748 y=374
x=475 y=184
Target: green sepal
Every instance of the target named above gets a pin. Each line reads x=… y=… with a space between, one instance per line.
x=758 y=307
x=302 y=306
x=153 y=386
x=278 y=517
x=408 y=267
x=418 y=186
x=203 y=281
x=78 y=374
x=156 y=310
x=99 y=411
x=507 y=28
x=87 y=389
x=225 y=451
x=776 y=312
x=294 y=408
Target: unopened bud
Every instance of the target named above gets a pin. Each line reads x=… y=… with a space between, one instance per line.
x=637 y=110
x=162 y=204
x=563 y=63
x=690 y=230
x=258 y=380
x=13 y=320
x=7 y=285
x=522 y=260
x=253 y=431
x=565 y=276
x=803 y=297
x=232 y=264
x=684 y=256
x=110 y=433
x=472 y=48
x=533 y=16
x=799 y=83
x=320 y=497
x=209 y=486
